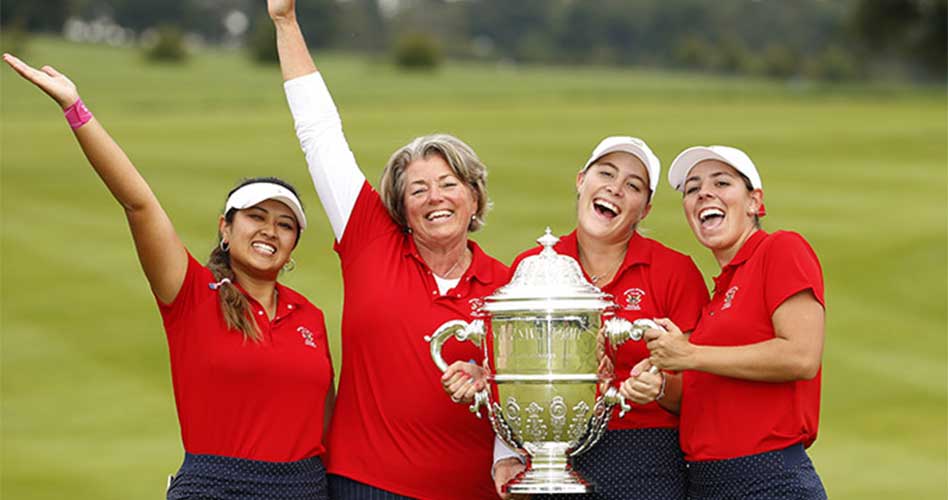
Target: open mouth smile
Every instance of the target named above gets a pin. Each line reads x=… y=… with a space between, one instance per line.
x=605 y=208
x=264 y=248
x=710 y=217
x=439 y=215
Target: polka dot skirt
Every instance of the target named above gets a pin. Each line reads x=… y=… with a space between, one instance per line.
x=632 y=464
x=784 y=474
x=343 y=488
x=211 y=477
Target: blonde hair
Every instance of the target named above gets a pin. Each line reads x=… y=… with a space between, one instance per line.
x=459 y=156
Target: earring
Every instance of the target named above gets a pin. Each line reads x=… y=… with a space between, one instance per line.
x=225 y=247
x=289 y=266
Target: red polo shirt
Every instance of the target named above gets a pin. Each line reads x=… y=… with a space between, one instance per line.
x=393 y=426
x=723 y=417
x=653 y=281
x=238 y=398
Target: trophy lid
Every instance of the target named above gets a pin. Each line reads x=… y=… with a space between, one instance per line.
x=548 y=281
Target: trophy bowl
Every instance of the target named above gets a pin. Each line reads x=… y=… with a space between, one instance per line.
x=542 y=336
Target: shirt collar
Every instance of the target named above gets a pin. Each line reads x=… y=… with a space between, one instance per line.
x=747 y=249
x=480 y=268
x=285 y=295
x=638 y=252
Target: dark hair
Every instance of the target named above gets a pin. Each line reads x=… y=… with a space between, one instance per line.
x=750 y=188
x=234 y=304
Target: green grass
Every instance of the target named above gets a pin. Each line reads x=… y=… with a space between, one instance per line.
x=87 y=408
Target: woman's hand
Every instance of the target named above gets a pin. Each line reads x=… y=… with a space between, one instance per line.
x=669 y=350
x=642 y=386
x=281 y=9
x=462 y=380
x=54 y=83
x=504 y=471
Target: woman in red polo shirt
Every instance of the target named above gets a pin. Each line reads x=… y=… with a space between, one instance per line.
x=751 y=393
x=249 y=360
x=638 y=457
x=408 y=266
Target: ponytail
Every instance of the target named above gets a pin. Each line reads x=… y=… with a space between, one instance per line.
x=234 y=304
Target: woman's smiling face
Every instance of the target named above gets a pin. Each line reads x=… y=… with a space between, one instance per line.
x=613 y=197
x=261 y=238
x=719 y=206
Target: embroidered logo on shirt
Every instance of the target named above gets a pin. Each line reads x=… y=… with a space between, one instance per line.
x=633 y=299
x=476 y=305
x=729 y=297
x=307 y=336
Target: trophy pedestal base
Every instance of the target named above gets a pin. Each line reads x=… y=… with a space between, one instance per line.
x=535 y=481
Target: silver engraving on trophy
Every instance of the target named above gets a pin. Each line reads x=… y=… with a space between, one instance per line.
x=577 y=425
x=535 y=429
x=513 y=412
x=541 y=338
x=557 y=416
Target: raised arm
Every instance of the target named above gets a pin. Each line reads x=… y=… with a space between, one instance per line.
x=162 y=255
x=332 y=166
x=295 y=60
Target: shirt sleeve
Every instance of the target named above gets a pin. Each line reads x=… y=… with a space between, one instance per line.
x=332 y=166
x=189 y=294
x=502 y=451
x=791 y=267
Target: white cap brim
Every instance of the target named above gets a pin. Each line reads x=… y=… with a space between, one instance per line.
x=687 y=159
x=254 y=193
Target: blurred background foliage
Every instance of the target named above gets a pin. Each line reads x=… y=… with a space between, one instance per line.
x=806 y=39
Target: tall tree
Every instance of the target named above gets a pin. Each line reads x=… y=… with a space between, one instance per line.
x=912 y=29
x=35 y=15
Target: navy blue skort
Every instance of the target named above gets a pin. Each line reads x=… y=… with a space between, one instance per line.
x=212 y=477
x=632 y=464
x=786 y=474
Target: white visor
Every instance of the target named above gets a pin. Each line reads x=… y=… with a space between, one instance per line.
x=252 y=194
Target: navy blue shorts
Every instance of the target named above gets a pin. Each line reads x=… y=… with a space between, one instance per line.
x=785 y=474
x=632 y=464
x=343 y=488
x=212 y=477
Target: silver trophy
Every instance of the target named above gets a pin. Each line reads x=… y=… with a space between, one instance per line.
x=543 y=335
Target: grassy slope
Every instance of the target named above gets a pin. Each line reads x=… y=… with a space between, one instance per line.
x=87 y=410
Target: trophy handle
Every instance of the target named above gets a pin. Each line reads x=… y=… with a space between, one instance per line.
x=461 y=330
x=620 y=330
x=612 y=398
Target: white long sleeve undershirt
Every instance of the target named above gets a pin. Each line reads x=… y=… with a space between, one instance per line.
x=332 y=166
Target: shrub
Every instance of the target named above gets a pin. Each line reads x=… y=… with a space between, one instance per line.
x=262 y=41
x=168 y=45
x=780 y=61
x=417 y=51
x=835 y=64
x=13 y=39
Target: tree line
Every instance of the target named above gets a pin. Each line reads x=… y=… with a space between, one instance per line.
x=835 y=40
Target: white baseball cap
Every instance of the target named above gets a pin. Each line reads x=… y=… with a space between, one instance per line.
x=633 y=146
x=252 y=194
x=678 y=172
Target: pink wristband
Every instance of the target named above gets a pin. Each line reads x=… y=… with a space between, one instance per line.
x=77 y=114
